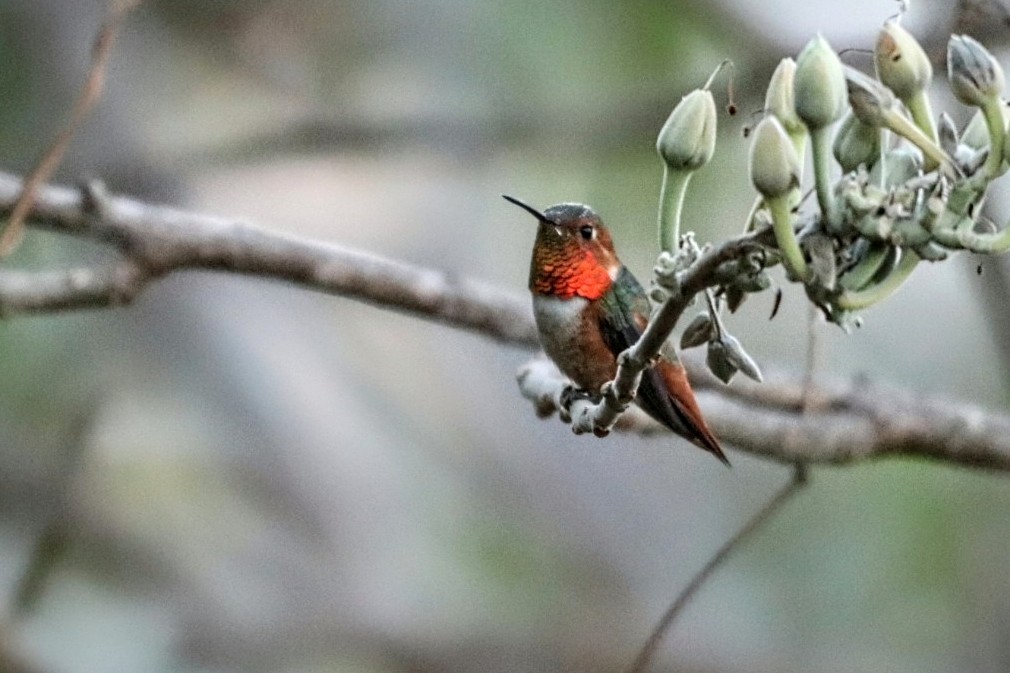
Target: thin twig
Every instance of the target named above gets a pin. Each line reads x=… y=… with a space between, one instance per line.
x=90 y=93
x=810 y=364
x=645 y=655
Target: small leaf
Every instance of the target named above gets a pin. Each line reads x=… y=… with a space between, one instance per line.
x=736 y=354
x=735 y=295
x=948 y=134
x=697 y=332
x=718 y=361
x=776 y=304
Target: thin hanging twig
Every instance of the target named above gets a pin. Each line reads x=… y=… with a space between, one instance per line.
x=645 y=655
x=90 y=93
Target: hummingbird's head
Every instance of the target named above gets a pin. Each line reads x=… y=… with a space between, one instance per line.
x=573 y=255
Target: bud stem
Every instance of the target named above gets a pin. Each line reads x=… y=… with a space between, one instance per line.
x=994 y=121
x=922 y=114
x=896 y=122
x=853 y=301
x=865 y=269
x=759 y=202
x=782 y=225
x=963 y=237
x=671 y=203
x=713 y=310
x=800 y=144
x=820 y=143
x=993 y=243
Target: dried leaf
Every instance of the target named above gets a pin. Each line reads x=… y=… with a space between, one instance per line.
x=735 y=295
x=698 y=331
x=740 y=359
x=822 y=261
x=719 y=362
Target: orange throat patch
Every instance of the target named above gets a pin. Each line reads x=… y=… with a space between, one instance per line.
x=567 y=276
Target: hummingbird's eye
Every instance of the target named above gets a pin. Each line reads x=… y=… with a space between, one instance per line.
x=586 y=231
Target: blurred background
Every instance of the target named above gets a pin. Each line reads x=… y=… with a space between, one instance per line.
x=236 y=475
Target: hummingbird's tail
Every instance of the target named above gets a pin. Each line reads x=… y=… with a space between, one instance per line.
x=666 y=395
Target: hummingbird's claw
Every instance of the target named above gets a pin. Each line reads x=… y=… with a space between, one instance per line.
x=570 y=394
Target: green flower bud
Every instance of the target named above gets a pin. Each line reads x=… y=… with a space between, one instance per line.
x=870 y=100
x=819 y=85
x=975 y=76
x=901 y=63
x=856 y=143
x=687 y=139
x=779 y=98
x=875 y=105
x=774 y=166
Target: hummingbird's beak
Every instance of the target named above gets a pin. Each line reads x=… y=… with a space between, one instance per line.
x=529 y=209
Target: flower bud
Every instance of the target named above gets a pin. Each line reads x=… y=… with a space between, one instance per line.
x=819 y=85
x=779 y=99
x=774 y=167
x=875 y=105
x=687 y=139
x=901 y=63
x=869 y=99
x=975 y=76
x=856 y=143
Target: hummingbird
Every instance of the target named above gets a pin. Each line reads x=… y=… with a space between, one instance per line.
x=589 y=308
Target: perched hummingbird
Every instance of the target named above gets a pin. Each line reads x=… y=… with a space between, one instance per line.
x=589 y=307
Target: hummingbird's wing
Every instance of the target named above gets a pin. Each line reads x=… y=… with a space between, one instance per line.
x=664 y=393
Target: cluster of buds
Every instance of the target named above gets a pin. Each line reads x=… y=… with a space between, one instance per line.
x=894 y=184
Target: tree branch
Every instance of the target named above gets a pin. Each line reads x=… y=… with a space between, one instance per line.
x=154 y=241
x=845 y=422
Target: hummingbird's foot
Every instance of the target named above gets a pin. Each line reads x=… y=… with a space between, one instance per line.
x=570 y=394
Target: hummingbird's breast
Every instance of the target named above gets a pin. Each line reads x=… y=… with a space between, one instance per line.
x=570 y=334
